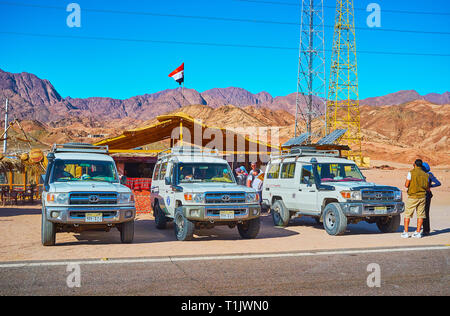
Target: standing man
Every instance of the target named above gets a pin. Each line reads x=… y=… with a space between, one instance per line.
x=433 y=183
x=251 y=175
x=417 y=183
x=240 y=176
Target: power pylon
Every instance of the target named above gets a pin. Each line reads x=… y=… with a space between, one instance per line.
x=311 y=81
x=343 y=98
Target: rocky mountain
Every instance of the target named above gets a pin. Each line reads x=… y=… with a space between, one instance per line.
x=33 y=98
x=404 y=96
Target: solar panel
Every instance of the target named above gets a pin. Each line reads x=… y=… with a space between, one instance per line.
x=331 y=138
x=297 y=141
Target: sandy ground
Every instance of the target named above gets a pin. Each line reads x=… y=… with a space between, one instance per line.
x=20 y=232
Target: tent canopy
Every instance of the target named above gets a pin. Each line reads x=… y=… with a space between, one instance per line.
x=184 y=128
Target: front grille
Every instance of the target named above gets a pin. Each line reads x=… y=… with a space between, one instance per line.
x=378 y=195
x=92 y=198
x=224 y=198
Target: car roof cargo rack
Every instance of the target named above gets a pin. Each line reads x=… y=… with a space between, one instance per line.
x=188 y=151
x=79 y=148
x=313 y=150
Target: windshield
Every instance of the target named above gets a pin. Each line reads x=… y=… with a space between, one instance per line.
x=334 y=172
x=204 y=172
x=83 y=170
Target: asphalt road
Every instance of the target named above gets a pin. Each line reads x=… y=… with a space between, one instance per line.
x=401 y=271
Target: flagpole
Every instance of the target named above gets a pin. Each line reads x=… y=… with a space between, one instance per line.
x=182 y=92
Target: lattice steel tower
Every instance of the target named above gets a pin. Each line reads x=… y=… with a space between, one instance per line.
x=343 y=96
x=311 y=81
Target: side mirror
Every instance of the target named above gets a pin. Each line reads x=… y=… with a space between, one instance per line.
x=167 y=180
x=123 y=180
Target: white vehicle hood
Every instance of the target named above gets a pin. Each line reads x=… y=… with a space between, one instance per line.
x=214 y=187
x=88 y=186
x=348 y=185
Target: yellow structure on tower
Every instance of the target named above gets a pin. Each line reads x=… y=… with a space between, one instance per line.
x=342 y=109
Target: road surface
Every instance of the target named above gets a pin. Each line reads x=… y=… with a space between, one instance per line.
x=391 y=271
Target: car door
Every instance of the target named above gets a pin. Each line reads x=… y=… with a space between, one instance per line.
x=307 y=191
x=288 y=184
x=154 y=190
x=165 y=190
x=168 y=188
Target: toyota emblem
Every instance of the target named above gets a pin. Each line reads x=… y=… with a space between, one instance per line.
x=226 y=198
x=93 y=198
x=379 y=195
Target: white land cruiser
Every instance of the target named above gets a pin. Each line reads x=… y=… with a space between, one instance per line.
x=82 y=192
x=196 y=189
x=319 y=183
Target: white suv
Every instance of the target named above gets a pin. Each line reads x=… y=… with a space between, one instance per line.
x=197 y=189
x=82 y=192
x=309 y=182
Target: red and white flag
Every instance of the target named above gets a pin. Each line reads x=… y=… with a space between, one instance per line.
x=178 y=74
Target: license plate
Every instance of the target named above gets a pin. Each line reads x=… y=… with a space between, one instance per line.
x=226 y=214
x=380 y=209
x=94 y=217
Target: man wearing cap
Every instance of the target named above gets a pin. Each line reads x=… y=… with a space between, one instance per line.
x=434 y=182
x=417 y=183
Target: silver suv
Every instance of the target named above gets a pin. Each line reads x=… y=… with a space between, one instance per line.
x=82 y=192
x=196 y=189
x=319 y=183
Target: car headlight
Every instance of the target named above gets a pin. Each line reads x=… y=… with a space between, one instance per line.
x=251 y=197
x=352 y=195
x=398 y=195
x=195 y=197
x=58 y=198
x=125 y=198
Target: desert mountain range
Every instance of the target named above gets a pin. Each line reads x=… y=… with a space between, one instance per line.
x=396 y=127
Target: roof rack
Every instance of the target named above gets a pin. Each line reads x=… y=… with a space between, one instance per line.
x=299 y=151
x=188 y=151
x=79 y=148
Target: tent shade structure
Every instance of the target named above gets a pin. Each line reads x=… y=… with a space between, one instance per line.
x=182 y=128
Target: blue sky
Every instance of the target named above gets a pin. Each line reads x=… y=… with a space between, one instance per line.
x=122 y=69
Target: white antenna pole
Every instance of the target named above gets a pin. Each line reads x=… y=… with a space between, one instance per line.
x=6 y=128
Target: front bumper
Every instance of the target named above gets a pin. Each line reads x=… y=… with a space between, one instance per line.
x=77 y=215
x=221 y=213
x=366 y=209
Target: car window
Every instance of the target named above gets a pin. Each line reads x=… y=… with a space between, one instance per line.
x=288 y=170
x=205 y=172
x=332 y=172
x=162 y=172
x=83 y=170
x=274 y=171
x=156 y=173
x=307 y=175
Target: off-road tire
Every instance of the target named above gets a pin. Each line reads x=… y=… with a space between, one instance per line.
x=334 y=220
x=184 y=228
x=249 y=229
x=388 y=224
x=160 y=217
x=48 y=230
x=280 y=214
x=127 y=232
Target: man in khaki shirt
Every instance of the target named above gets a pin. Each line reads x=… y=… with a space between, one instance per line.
x=418 y=184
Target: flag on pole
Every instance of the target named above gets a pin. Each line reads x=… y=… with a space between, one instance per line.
x=178 y=74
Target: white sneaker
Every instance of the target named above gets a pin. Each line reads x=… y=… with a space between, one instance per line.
x=417 y=235
x=404 y=235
